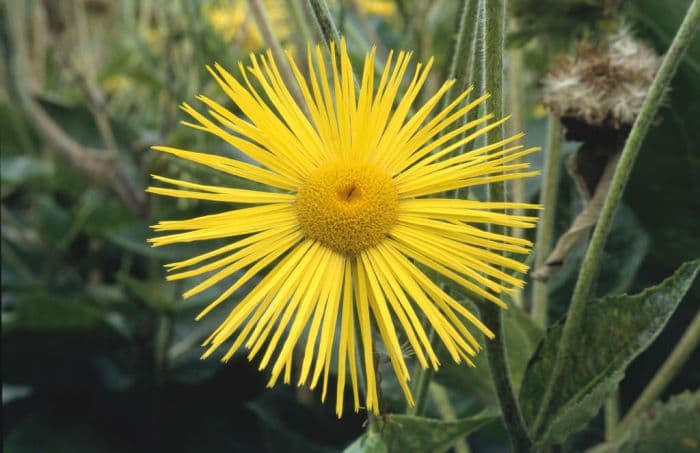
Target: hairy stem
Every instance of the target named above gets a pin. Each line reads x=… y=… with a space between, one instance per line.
x=447 y=412
x=463 y=51
x=494 y=15
x=462 y=55
x=687 y=344
x=591 y=261
x=423 y=378
x=161 y=339
x=324 y=21
x=545 y=228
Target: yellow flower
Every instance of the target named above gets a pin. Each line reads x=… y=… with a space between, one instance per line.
x=344 y=231
x=233 y=22
x=384 y=8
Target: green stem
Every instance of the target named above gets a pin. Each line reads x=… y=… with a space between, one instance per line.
x=324 y=21
x=263 y=22
x=612 y=414
x=161 y=339
x=494 y=14
x=665 y=375
x=421 y=391
x=325 y=27
x=447 y=412
x=423 y=378
x=545 y=229
x=459 y=70
x=591 y=261
x=463 y=52
x=464 y=59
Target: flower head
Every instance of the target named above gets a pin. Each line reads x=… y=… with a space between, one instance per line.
x=604 y=85
x=346 y=219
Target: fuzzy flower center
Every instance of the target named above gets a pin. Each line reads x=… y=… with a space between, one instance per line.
x=347 y=206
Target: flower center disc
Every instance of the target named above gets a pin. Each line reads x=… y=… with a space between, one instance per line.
x=348 y=206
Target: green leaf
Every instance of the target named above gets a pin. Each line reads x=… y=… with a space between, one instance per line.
x=21 y=169
x=133 y=238
x=158 y=295
x=615 y=330
x=40 y=311
x=401 y=433
x=54 y=221
x=665 y=427
x=368 y=443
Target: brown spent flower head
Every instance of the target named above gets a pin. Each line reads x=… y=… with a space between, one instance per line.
x=605 y=85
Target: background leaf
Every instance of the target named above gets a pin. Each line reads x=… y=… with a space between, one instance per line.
x=403 y=433
x=665 y=427
x=614 y=331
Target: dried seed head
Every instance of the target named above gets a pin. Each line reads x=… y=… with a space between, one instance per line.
x=605 y=85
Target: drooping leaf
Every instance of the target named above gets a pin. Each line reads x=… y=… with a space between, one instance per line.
x=665 y=427
x=154 y=294
x=614 y=331
x=40 y=311
x=403 y=433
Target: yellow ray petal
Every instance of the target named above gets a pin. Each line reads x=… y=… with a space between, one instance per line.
x=363 y=319
x=346 y=349
x=231 y=167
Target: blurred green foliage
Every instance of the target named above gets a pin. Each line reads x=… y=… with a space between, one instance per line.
x=99 y=351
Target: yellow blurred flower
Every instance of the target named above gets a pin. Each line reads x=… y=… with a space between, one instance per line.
x=234 y=23
x=383 y=8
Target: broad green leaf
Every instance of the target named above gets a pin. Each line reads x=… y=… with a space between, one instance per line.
x=40 y=311
x=21 y=169
x=133 y=238
x=403 y=433
x=665 y=427
x=53 y=220
x=614 y=331
x=368 y=443
x=156 y=294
